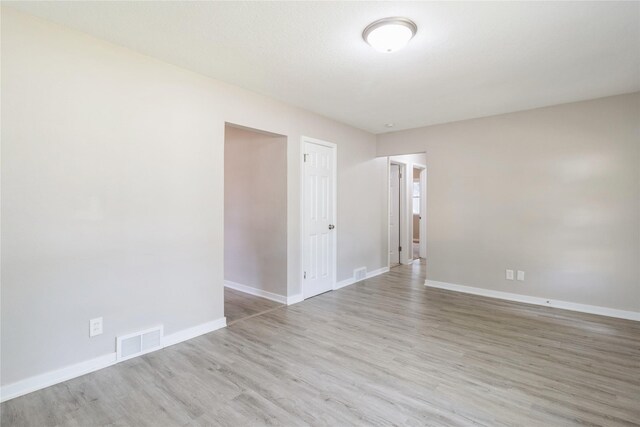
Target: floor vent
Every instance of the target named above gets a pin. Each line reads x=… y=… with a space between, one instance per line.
x=360 y=274
x=139 y=343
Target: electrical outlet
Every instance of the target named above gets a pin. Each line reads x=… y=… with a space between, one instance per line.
x=95 y=326
x=509 y=274
x=521 y=275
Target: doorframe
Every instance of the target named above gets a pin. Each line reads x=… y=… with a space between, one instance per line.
x=423 y=211
x=404 y=226
x=334 y=260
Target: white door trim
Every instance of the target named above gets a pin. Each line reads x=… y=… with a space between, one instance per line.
x=405 y=227
x=406 y=211
x=390 y=203
x=388 y=184
x=423 y=213
x=423 y=209
x=334 y=147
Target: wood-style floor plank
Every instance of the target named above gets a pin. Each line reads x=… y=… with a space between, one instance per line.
x=239 y=305
x=385 y=351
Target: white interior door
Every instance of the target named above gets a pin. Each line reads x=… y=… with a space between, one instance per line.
x=423 y=213
x=394 y=214
x=319 y=258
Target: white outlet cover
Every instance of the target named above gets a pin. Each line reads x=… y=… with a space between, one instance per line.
x=521 y=275
x=95 y=326
x=509 y=274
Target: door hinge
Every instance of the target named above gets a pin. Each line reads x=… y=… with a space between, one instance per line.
x=305 y=158
x=305 y=274
x=400 y=249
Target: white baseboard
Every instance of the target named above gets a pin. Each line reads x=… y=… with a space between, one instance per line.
x=352 y=280
x=255 y=291
x=377 y=272
x=195 y=331
x=50 y=378
x=343 y=283
x=565 y=305
x=37 y=382
x=295 y=299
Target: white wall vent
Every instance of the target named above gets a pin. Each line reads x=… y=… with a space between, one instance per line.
x=139 y=343
x=360 y=274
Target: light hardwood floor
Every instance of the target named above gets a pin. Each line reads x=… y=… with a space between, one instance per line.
x=387 y=351
x=239 y=305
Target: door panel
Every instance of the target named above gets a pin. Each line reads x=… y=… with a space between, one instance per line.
x=319 y=237
x=394 y=214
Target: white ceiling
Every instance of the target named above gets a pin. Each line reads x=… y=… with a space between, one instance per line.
x=468 y=59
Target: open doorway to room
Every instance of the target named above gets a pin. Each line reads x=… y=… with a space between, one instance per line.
x=419 y=211
x=255 y=222
x=396 y=175
x=407 y=208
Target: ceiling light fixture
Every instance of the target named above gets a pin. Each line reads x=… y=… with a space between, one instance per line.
x=389 y=34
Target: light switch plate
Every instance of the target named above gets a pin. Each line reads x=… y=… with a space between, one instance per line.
x=509 y=275
x=95 y=326
x=521 y=275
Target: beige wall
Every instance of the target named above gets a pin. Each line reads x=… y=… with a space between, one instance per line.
x=553 y=191
x=112 y=193
x=255 y=210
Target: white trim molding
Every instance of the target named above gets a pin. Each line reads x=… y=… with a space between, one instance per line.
x=565 y=305
x=194 y=331
x=352 y=280
x=38 y=382
x=294 y=299
x=343 y=283
x=255 y=291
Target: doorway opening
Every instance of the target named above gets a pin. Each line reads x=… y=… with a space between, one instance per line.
x=396 y=178
x=255 y=222
x=407 y=208
x=419 y=211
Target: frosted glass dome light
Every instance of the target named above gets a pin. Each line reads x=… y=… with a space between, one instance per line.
x=389 y=34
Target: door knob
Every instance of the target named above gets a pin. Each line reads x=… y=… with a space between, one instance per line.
x=331 y=226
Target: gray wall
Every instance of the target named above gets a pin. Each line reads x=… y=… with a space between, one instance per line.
x=255 y=210
x=553 y=191
x=112 y=193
